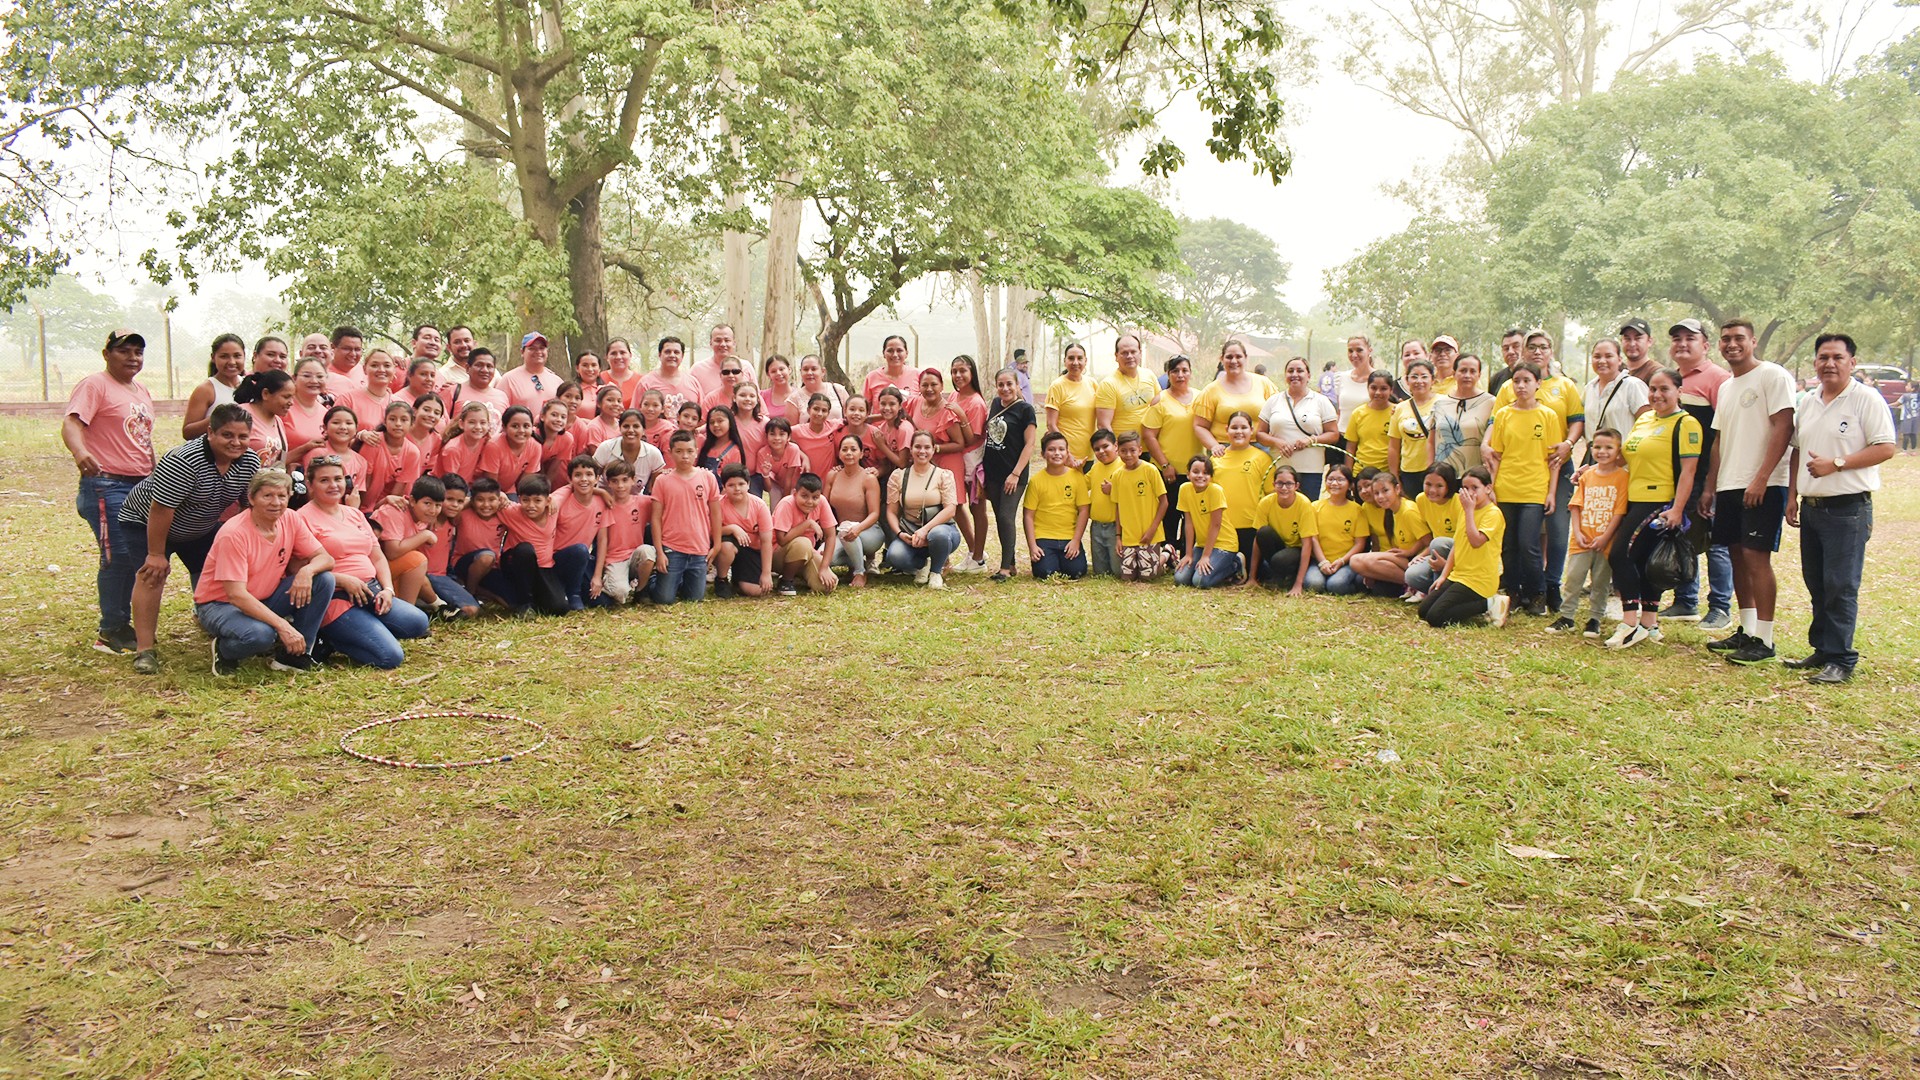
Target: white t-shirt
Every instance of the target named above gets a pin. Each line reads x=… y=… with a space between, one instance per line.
x=1352 y=394
x=1614 y=405
x=1313 y=411
x=1848 y=424
x=1743 y=417
x=645 y=464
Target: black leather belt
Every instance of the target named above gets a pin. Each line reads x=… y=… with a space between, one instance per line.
x=1836 y=500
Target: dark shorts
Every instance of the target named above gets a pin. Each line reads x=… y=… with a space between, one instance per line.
x=746 y=563
x=1758 y=527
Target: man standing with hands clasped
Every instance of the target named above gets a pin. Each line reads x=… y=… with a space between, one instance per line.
x=1841 y=435
x=1746 y=489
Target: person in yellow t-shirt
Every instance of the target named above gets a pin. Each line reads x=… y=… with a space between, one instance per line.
x=1343 y=532
x=1121 y=400
x=1140 y=503
x=1469 y=586
x=1212 y=557
x=1370 y=427
x=1599 y=504
x=1520 y=446
x=1055 y=509
x=1170 y=440
x=1241 y=469
x=1287 y=536
x=1103 y=532
x=1410 y=436
x=1399 y=536
x=1439 y=506
x=1069 y=406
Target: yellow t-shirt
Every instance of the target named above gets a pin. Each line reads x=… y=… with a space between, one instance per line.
x=1202 y=504
x=1136 y=495
x=1074 y=402
x=1597 y=500
x=1478 y=568
x=1128 y=398
x=1408 y=526
x=1101 y=509
x=1055 y=502
x=1522 y=437
x=1367 y=432
x=1416 y=445
x=1649 y=454
x=1173 y=419
x=1340 y=526
x=1557 y=393
x=1441 y=518
x=1295 y=523
x=1216 y=404
x=1243 y=473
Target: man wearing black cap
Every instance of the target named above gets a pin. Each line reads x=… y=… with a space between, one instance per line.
x=1636 y=345
x=1700 y=383
x=109 y=431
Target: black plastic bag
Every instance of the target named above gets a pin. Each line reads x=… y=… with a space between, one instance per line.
x=1671 y=560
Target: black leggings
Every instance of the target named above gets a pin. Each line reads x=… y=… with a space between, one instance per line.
x=1628 y=579
x=1453 y=604
x=1176 y=522
x=1279 y=564
x=1006 y=516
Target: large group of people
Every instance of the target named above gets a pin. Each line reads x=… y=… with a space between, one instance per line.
x=334 y=501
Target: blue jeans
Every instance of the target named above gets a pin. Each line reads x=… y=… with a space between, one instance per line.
x=1522 y=563
x=1559 y=523
x=1719 y=583
x=451 y=591
x=374 y=640
x=941 y=543
x=99 y=504
x=1420 y=572
x=238 y=635
x=683 y=578
x=574 y=565
x=1103 y=539
x=1342 y=582
x=1226 y=567
x=1833 y=555
x=1053 y=560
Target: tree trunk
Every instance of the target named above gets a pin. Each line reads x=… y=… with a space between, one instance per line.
x=995 y=326
x=982 y=335
x=586 y=276
x=783 y=245
x=736 y=280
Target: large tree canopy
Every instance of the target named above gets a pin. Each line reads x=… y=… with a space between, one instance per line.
x=1231 y=281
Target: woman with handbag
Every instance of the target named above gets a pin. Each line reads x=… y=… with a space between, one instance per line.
x=921 y=503
x=1663 y=456
x=1410 y=432
x=1300 y=426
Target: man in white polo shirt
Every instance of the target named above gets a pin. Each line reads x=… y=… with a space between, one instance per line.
x=1842 y=433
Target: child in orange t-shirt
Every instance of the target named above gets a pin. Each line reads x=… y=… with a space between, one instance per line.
x=1599 y=502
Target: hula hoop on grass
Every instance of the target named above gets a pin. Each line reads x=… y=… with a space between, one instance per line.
x=346 y=741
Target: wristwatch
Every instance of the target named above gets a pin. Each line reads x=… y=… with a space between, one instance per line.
x=1839 y=463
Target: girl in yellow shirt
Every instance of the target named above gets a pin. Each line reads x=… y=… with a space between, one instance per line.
x=1212 y=558
x=1343 y=531
x=1241 y=471
x=1370 y=427
x=1439 y=506
x=1520 y=443
x=1468 y=587
x=1399 y=534
x=1283 y=546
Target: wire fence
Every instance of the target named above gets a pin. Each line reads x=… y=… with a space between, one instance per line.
x=22 y=379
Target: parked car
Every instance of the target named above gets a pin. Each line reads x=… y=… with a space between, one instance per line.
x=1892 y=382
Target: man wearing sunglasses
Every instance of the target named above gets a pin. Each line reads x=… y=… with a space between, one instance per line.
x=531 y=384
x=706 y=373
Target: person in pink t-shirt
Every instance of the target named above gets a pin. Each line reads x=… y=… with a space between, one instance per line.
x=686 y=519
x=346 y=345
x=526 y=573
x=818 y=436
x=580 y=534
x=513 y=453
x=270 y=397
x=531 y=385
x=706 y=374
x=266 y=585
x=557 y=446
x=629 y=558
x=481 y=387
x=745 y=561
x=369 y=402
x=426 y=433
x=109 y=431
x=362 y=622
x=780 y=462
x=893 y=372
x=804 y=534
x=676 y=386
x=393 y=461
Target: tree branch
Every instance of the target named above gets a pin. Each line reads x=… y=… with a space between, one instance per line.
x=464 y=112
x=406 y=37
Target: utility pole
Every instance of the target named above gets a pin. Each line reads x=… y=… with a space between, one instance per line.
x=41 y=318
x=166 y=317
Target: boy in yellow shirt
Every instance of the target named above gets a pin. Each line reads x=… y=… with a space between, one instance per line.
x=1055 y=509
x=1103 y=532
x=1139 y=496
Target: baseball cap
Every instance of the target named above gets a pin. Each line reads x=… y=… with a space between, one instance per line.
x=1447 y=340
x=1691 y=326
x=1638 y=326
x=117 y=338
x=533 y=337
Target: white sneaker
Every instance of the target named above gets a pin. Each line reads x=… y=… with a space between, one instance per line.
x=1619 y=635
x=874 y=560
x=1413 y=597
x=921 y=575
x=935 y=581
x=1497 y=607
x=1634 y=637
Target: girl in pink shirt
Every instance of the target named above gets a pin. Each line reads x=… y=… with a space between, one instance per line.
x=657 y=428
x=460 y=454
x=556 y=441
x=816 y=438
x=428 y=411
x=722 y=446
x=306 y=421
x=268 y=396
x=780 y=463
x=750 y=421
x=512 y=454
x=602 y=422
x=393 y=461
x=342 y=430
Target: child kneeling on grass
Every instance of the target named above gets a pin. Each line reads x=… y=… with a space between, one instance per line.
x=1056 y=507
x=804 y=534
x=1212 y=556
x=1469 y=586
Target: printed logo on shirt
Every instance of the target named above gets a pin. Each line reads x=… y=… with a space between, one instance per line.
x=1843 y=426
x=1749 y=398
x=139 y=425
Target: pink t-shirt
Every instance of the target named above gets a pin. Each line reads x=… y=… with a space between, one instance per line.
x=751 y=515
x=784 y=468
x=706 y=375
x=1704 y=383
x=347 y=537
x=788 y=515
x=389 y=473
x=820 y=449
x=494 y=398
x=554 y=455
x=593 y=430
x=369 y=409
x=342 y=384
x=397 y=524
x=119 y=419
x=522 y=529
x=475 y=533
x=627 y=527
x=940 y=422
x=677 y=390
x=305 y=425
x=240 y=553
x=460 y=456
x=577 y=524
x=908 y=381
x=682 y=511
x=507 y=465
x=429 y=447
x=753 y=436
x=660 y=434
x=351 y=463
x=269 y=438
x=519 y=387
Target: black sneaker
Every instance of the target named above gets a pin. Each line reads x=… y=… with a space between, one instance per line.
x=1680 y=613
x=723 y=588
x=222 y=668
x=1754 y=652
x=146 y=662
x=1732 y=643
x=118 y=641
x=1592 y=630
x=1806 y=663
x=286 y=661
x=1831 y=675
x=787 y=588
x=1560 y=625
x=1537 y=607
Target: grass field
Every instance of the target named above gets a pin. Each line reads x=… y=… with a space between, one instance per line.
x=1018 y=830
